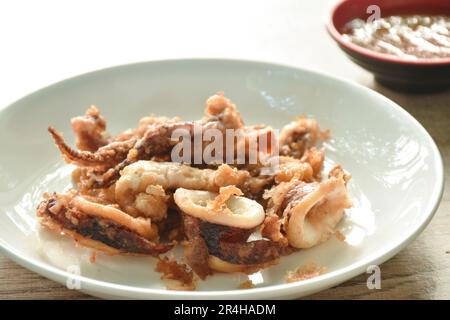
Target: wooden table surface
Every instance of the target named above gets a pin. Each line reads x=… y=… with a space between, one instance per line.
x=289 y=32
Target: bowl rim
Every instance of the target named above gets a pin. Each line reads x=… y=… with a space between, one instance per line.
x=371 y=54
x=102 y=288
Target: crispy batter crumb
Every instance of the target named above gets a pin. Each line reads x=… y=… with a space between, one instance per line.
x=339 y=236
x=271 y=229
x=132 y=154
x=178 y=275
x=93 y=257
x=247 y=284
x=307 y=271
x=225 y=193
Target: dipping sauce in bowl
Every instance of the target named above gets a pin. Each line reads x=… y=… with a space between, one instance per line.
x=408 y=37
x=404 y=43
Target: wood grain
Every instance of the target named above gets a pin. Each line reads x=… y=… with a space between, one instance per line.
x=277 y=33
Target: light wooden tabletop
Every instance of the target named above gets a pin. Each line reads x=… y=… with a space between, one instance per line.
x=59 y=43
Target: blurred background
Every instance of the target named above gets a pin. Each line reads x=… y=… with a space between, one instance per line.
x=47 y=41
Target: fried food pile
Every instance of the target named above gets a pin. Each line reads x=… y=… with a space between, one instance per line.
x=139 y=192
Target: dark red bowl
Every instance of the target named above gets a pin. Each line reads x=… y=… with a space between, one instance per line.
x=423 y=75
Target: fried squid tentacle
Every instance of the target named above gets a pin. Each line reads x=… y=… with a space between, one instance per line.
x=219 y=108
x=90 y=130
x=290 y=168
x=157 y=141
x=99 y=226
x=195 y=250
x=145 y=124
x=106 y=156
x=300 y=135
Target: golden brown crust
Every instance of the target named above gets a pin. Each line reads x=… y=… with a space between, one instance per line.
x=195 y=249
x=247 y=284
x=220 y=265
x=272 y=229
x=60 y=214
x=83 y=241
x=106 y=156
x=127 y=206
x=179 y=276
x=90 y=130
x=305 y=272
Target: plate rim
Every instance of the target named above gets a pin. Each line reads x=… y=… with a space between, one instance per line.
x=316 y=284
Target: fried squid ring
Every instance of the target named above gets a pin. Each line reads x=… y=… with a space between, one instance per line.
x=218 y=227
x=99 y=226
x=223 y=208
x=314 y=210
x=308 y=212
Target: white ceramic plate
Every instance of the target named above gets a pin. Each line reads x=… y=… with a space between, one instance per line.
x=396 y=187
